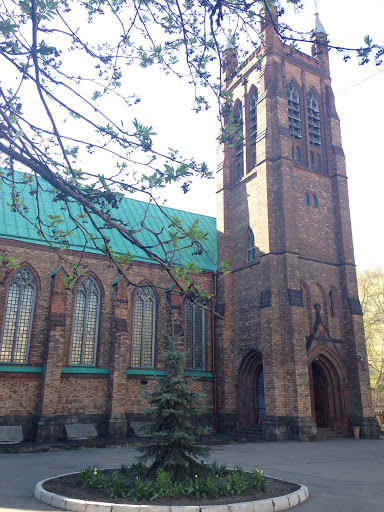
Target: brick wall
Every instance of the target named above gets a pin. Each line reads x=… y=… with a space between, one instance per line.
x=303 y=252
x=53 y=397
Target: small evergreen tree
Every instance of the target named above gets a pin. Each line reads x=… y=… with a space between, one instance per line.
x=173 y=406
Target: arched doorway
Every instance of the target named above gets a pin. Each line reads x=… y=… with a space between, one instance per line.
x=327 y=397
x=320 y=397
x=250 y=392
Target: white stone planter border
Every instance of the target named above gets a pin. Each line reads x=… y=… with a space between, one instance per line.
x=269 y=505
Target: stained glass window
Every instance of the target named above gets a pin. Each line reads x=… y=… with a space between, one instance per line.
x=294 y=116
x=314 y=119
x=250 y=246
x=18 y=317
x=194 y=330
x=144 y=328
x=85 y=323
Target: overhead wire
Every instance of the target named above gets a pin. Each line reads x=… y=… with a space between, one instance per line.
x=362 y=81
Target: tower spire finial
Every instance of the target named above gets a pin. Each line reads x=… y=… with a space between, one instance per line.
x=319 y=29
x=230 y=41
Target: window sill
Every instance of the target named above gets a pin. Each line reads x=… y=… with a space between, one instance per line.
x=21 y=369
x=85 y=370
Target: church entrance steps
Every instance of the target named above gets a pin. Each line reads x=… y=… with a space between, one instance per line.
x=331 y=433
x=254 y=433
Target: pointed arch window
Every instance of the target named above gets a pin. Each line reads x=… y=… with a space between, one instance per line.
x=18 y=317
x=294 y=116
x=85 y=325
x=238 y=171
x=314 y=119
x=144 y=328
x=194 y=336
x=253 y=122
x=332 y=303
x=250 y=246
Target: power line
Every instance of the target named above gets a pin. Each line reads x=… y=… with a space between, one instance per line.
x=355 y=85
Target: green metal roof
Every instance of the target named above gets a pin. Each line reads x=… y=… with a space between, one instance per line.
x=131 y=212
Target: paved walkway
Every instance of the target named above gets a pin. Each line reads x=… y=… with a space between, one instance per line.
x=344 y=475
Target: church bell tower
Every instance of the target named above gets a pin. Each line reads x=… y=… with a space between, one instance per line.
x=291 y=358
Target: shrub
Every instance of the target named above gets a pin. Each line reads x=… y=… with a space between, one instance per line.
x=173 y=406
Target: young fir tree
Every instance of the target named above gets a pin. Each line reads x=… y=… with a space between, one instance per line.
x=174 y=405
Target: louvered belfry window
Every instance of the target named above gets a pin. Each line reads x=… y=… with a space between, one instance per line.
x=253 y=117
x=85 y=323
x=144 y=328
x=294 y=116
x=314 y=119
x=238 y=171
x=194 y=329
x=250 y=246
x=18 y=317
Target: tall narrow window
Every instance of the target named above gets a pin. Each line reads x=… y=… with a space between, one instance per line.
x=238 y=171
x=144 y=328
x=294 y=117
x=253 y=124
x=18 y=317
x=194 y=331
x=314 y=119
x=85 y=323
x=331 y=303
x=250 y=246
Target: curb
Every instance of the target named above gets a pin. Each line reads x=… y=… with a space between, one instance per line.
x=268 y=505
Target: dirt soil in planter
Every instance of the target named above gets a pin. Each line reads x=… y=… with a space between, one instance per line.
x=66 y=486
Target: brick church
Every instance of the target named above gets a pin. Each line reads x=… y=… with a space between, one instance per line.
x=285 y=354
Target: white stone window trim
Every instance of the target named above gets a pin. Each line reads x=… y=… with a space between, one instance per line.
x=192 y=364
x=144 y=293
x=82 y=288
x=23 y=277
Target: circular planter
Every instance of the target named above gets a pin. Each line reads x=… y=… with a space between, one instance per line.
x=268 y=505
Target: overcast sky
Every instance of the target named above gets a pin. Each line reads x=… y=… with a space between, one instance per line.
x=166 y=104
x=359 y=102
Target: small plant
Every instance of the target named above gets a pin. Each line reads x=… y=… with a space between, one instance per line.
x=258 y=480
x=163 y=483
x=143 y=490
x=138 y=468
x=211 y=487
x=124 y=470
x=178 y=489
x=219 y=469
x=92 y=477
x=119 y=487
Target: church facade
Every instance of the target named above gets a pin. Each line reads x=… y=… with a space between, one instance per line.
x=285 y=355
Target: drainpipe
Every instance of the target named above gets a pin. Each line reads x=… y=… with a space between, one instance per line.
x=213 y=349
